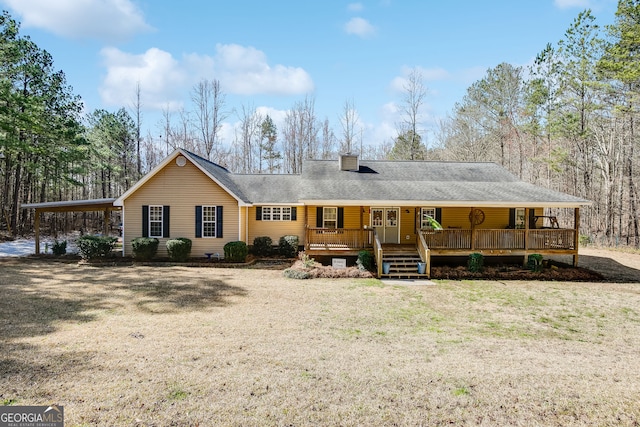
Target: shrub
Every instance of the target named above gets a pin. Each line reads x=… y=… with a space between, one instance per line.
x=145 y=248
x=59 y=248
x=475 y=262
x=365 y=261
x=91 y=247
x=306 y=260
x=584 y=240
x=179 y=249
x=534 y=262
x=296 y=274
x=236 y=251
x=262 y=246
x=288 y=246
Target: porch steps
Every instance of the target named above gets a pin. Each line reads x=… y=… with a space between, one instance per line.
x=404 y=265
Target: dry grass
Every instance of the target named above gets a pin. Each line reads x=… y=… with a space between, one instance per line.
x=122 y=346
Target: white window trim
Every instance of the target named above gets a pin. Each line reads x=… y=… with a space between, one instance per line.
x=422 y=213
x=271 y=212
x=215 y=222
x=161 y=221
x=520 y=224
x=324 y=216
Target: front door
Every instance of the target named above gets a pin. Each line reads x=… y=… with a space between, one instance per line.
x=386 y=223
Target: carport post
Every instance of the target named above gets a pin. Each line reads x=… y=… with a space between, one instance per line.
x=37 y=227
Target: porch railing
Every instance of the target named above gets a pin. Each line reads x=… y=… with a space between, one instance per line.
x=500 y=239
x=338 y=238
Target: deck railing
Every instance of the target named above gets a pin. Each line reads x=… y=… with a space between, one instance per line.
x=500 y=239
x=338 y=238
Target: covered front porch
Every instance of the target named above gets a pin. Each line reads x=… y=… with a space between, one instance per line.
x=454 y=241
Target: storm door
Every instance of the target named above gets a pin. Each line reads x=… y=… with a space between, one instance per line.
x=386 y=222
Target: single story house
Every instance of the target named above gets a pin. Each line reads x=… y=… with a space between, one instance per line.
x=338 y=208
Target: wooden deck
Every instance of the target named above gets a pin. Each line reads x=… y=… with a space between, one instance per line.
x=446 y=242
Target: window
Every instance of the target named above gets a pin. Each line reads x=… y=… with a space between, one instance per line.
x=208 y=221
x=519 y=218
x=330 y=217
x=155 y=221
x=276 y=213
x=426 y=215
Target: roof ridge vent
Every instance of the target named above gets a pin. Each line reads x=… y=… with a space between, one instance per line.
x=349 y=162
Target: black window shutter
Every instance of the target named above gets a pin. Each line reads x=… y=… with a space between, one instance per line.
x=439 y=215
x=340 y=217
x=512 y=218
x=294 y=213
x=198 y=221
x=165 y=221
x=319 y=222
x=532 y=218
x=145 y=221
x=259 y=213
x=218 y=221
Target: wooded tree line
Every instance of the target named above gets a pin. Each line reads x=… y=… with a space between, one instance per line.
x=567 y=123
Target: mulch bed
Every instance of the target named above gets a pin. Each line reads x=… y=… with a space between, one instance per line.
x=554 y=272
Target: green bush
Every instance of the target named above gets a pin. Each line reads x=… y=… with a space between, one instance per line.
x=262 y=246
x=145 y=248
x=584 y=240
x=236 y=251
x=91 y=247
x=365 y=261
x=179 y=249
x=534 y=262
x=59 y=248
x=296 y=274
x=475 y=262
x=288 y=246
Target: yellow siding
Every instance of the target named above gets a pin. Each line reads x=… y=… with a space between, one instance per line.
x=276 y=229
x=352 y=215
x=407 y=225
x=494 y=217
x=182 y=188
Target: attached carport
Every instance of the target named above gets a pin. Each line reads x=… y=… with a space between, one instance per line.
x=94 y=205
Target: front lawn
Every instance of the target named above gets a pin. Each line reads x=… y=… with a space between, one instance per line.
x=159 y=346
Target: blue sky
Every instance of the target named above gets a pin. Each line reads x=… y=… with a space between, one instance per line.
x=269 y=55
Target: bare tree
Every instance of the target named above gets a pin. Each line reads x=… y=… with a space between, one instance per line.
x=350 y=128
x=300 y=135
x=408 y=143
x=209 y=100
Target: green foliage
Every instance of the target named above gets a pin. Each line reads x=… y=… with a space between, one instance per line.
x=59 y=248
x=365 y=260
x=92 y=247
x=179 y=249
x=236 y=251
x=475 y=262
x=584 y=240
x=145 y=248
x=262 y=246
x=288 y=246
x=296 y=274
x=534 y=262
x=307 y=261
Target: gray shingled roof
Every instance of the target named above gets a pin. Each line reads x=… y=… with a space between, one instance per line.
x=224 y=177
x=390 y=181
x=423 y=181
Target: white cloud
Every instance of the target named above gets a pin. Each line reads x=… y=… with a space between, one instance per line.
x=399 y=83
x=161 y=78
x=566 y=4
x=359 y=27
x=112 y=20
x=245 y=70
x=355 y=7
x=165 y=80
